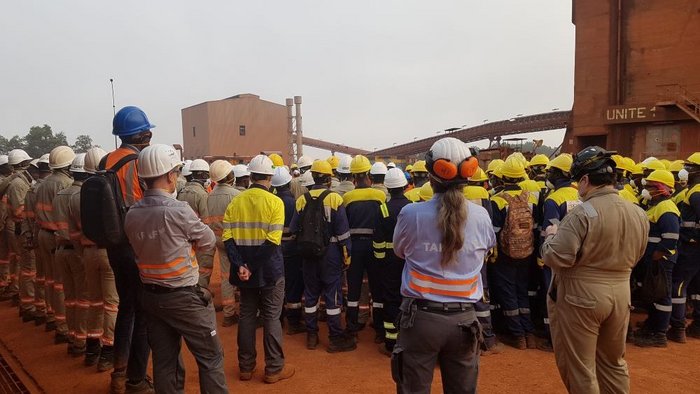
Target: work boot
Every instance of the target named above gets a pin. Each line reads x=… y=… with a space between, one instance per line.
x=295 y=328
x=383 y=350
x=546 y=346
x=118 y=383
x=143 y=387
x=230 y=320
x=311 y=340
x=61 y=338
x=27 y=317
x=676 y=335
x=92 y=352
x=246 y=375
x=693 y=331
x=342 y=343
x=15 y=300
x=106 y=361
x=531 y=341
x=653 y=339
x=50 y=326
x=496 y=348
x=518 y=342
x=39 y=320
x=286 y=373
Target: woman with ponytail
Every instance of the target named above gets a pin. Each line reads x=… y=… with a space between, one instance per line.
x=444 y=242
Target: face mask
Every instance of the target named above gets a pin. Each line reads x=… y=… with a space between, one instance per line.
x=644 y=182
x=207 y=183
x=683 y=175
x=646 y=195
x=549 y=184
x=633 y=184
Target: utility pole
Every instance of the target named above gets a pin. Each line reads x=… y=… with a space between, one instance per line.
x=114 y=109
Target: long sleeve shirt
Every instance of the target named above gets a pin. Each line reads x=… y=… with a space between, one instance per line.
x=46 y=193
x=664 y=220
x=690 y=217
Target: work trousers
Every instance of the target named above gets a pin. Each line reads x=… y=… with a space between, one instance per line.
x=686 y=268
x=14 y=256
x=660 y=310
x=56 y=309
x=268 y=301
x=450 y=340
x=102 y=295
x=131 y=349
x=4 y=260
x=186 y=314
x=206 y=267
x=510 y=287
x=230 y=296
x=589 y=320
x=293 y=287
x=323 y=278
x=391 y=271
x=483 y=312
x=27 y=280
x=70 y=264
x=363 y=260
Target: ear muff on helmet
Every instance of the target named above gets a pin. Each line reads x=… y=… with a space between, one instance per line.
x=449 y=171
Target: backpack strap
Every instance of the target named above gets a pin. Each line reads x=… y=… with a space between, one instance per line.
x=118 y=165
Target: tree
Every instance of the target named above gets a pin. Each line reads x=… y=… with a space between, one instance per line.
x=82 y=143
x=41 y=139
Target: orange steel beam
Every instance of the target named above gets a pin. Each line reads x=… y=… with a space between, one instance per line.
x=333 y=147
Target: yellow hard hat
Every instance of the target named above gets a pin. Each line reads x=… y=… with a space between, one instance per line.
x=334 y=161
x=676 y=166
x=479 y=176
x=513 y=167
x=409 y=168
x=562 y=162
x=322 y=167
x=359 y=165
x=627 y=164
x=493 y=165
x=694 y=159
x=662 y=176
x=419 y=166
x=425 y=192
x=539 y=160
x=666 y=163
x=638 y=169
x=277 y=160
x=618 y=159
x=654 y=165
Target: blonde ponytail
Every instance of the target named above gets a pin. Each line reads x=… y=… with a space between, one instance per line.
x=452 y=215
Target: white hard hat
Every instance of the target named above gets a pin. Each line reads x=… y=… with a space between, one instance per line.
x=3 y=160
x=281 y=177
x=17 y=156
x=451 y=149
x=186 y=168
x=378 y=168
x=344 y=166
x=391 y=165
x=307 y=179
x=199 y=165
x=395 y=178
x=93 y=158
x=34 y=163
x=261 y=164
x=649 y=160
x=60 y=157
x=158 y=159
x=240 y=171
x=78 y=164
x=219 y=170
x=305 y=161
x=44 y=158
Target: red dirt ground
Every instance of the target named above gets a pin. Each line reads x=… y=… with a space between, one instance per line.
x=362 y=371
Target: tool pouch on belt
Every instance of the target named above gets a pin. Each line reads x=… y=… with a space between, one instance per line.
x=407 y=317
x=203 y=294
x=473 y=335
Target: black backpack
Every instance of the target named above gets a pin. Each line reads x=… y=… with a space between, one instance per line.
x=313 y=236
x=102 y=207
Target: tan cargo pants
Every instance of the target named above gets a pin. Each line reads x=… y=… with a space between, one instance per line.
x=230 y=296
x=69 y=263
x=55 y=307
x=102 y=295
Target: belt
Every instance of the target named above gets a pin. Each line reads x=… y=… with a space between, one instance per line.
x=444 y=307
x=157 y=289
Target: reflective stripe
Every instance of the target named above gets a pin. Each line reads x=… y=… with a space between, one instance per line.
x=341 y=237
x=390 y=245
x=670 y=235
x=377 y=305
x=378 y=255
x=166 y=270
x=353 y=304
x=663 y=308
x=295 y=305
x=312 y=309
x=40 y=206
x=546 y=320
x=531 y=293
x=254 y=225
x=250 y=242
x=378 y=245
x=389 y=326
x=678 y=300
x=333 y=312
x=447 y=287
x=483 y=314
x=695 y=297
x=524 y=311
x=689 y=224
x=654 y=240
x=513 y=312
x=391 y=335
x=361 y=231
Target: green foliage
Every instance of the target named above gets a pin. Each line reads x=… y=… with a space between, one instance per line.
x=82 y=143
x=40 y=140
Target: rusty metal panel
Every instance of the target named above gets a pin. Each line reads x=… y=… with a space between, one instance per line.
x=663 y=141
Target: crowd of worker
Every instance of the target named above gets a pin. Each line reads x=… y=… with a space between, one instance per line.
x=298 y=244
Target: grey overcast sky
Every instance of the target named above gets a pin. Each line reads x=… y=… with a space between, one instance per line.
x=371 y=73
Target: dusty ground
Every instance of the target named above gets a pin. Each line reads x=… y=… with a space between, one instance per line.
x=668 y=370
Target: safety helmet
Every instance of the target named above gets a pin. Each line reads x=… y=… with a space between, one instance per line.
x=592 y=160
x=17 y=156
x=344 y=165
x=479 y=176
x=240 y=171
x=662 y=176
x=638 y=169
x=129 y=121
x=219 y=169
x=307 y=179
x=3 y=160
x=391 y=164
x=419 y=166
x=305 y=161
x=449 y=160
x=649 y=159
x=158 y=159
x=539 y=160
x=513 y=167
x=654 y=165
x=199 y=165
x=493 y=165
x=666 y=163
x=281 y=177
x=359 y=165
x=92 y=159
x=78 y=164
x=562 y=162
x=395 y=178
x=676 y=165
x=521 y=158
x=378 y=168
x=34 y=163
x=694 y=159
x=409 y=168
x=44 y=158
x=61 y=157
x=334 y=161
x=262 y=165
x=425 y=192
x=322 y=167
x=186 y=168
x=277 y=160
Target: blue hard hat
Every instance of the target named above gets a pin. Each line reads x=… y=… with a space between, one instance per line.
x=129 y=121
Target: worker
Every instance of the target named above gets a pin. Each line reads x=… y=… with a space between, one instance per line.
x=376 y=175
x=5 y=179
x=660 y=255
x=425 y=193
x=165 y=234
x=651 y=165
x=303 y=165
x=675 y=168
x=591 y=254
x=240 y=171
x=101 y=288
x=390 y=165
x=334 y=161
x=344 y=176
x=293 y=274
x=537 y=169
x=222 y=172
x=131 y=349
x=444 y=242
x=277 y=160
x=420 y=177
x=364 y=207
x=306 y=181
x=687 y=266
x=253 y=226
x=323 y=267
x=184 y=175
x=511 y=270
x=493 y=172
x=623 y=170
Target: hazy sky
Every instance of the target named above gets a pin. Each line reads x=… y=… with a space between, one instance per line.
x=371 y=72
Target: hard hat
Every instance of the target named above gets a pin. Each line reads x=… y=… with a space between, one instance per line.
x=694 y=159
x=450 y=160
x=186 y=168
x=281 y=177
x=493 y=165
x=419 y=166
x=262 y=165
x=359 y=165
x=34 y=163
x=219 y=170
x=521 y=158
x=322 y=167
x=3 y=160
x=425 y=192
x=199 y=165
x=649 y=159
x=513 y=167
x=307 y=179
x=592 y=160
x=44 y=158
x=277 y=160
x=539 y=160
x=294 y=166
x=623 y=163
x=395 y=178
x=391 y=164
x=92 y=159
x=158 y=159
x=666 y=163
x=344 y=165
x=654 y=165
x=305 y=161
x=129 y=121
x=240 y=171
x=334 y=161
x=479 y=176
x=60 y=157
x=618 y=159
x=662 y=176
x=409 y=168
x=562 y=162
x=16 y=156
x=78 y=164
x=638 y=169
x=378 y=168
x=676 y=166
